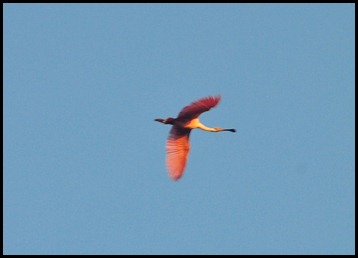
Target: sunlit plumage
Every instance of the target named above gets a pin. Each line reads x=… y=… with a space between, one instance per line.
x=178 y=146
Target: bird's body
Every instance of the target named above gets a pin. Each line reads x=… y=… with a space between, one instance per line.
x=178 y=145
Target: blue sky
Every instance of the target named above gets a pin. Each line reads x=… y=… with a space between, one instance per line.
x=84 y=162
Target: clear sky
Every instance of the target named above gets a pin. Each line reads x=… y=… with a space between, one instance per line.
x=84 y=162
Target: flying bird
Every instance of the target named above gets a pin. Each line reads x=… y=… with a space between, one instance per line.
x=178 y=146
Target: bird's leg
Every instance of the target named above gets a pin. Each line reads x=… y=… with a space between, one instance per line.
x=168 y=121
x=160 y=120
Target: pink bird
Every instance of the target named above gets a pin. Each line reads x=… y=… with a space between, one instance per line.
x=178 y=145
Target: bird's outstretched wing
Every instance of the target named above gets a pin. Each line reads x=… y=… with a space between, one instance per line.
x=177 y=148
x=197 y=107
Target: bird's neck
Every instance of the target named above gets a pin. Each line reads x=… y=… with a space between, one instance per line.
x=195 y=123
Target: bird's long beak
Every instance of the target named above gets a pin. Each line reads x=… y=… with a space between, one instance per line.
x=159 y=120
x=230 y=130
